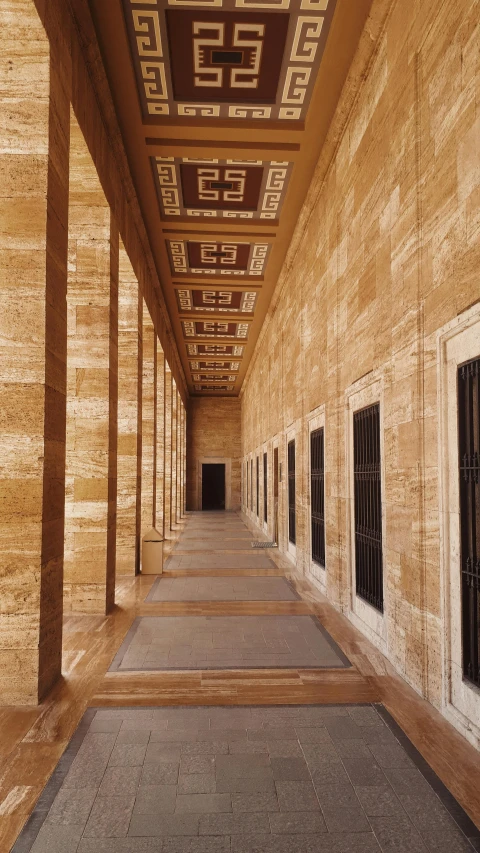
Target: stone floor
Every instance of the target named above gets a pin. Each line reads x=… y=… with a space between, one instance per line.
x=302 y=779
x=218 y=561
x=264 y=778
x=222 y=589
x=239 y=642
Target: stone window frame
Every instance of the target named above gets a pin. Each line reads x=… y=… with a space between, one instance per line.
x=291 y=434
x=457 y=342
x=265 y=448
x=316 y=420
x=276 y=444
x=364 y=392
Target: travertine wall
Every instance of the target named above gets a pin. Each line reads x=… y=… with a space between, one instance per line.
x=386 y=254
x=213 y=430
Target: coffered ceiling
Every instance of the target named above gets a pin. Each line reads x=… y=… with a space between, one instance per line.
x=224 y=106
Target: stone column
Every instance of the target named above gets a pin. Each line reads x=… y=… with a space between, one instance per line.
x=148 y=423
x=159 y=511
x=179 y=456
x=167 y=481
x=34 y=135
x=129 y=417
x=173 y=511
x=92 y=383
x=184 y=471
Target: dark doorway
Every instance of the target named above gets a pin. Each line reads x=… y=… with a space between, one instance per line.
x=213 y=486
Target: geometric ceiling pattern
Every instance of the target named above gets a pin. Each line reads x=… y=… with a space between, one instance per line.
x=227 y=59
x=220 y=189
x=223 y=106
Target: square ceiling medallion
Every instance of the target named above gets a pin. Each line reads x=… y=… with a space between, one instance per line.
x=211 y=329
x=215 y=350
x=213 y=387
x=189 y=257
x=229 y=59
x=215 y=365
x=216 y=301
x=228 y=189
x=212 y=377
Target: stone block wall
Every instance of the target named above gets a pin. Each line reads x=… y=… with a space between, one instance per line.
x=213 y=432
x=383 y=265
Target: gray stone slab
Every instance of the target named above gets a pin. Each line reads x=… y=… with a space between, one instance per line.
x=110 y=817
x=211 y=642
x=329 y=792
x=155 y=799
x=210 y=844
x=163 y=825
x=203 y=803
x=234 y=824
x=297 y=797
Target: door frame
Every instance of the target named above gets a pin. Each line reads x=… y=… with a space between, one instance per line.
x=215 y=460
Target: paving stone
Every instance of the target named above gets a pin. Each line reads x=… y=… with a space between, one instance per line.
x=203 y=803
x=312 y=734
x=254 y=782
x=120 y=845
x=127 y=755
x=255 y=803
x=390 y=755
x=120 y=781
x=281 y=844
x=238 y=765
x=110 y=817
x=197 y=764
x=159 y=752
x=247 y=747
x=408 y=841
x=205 y=748
x=99 y=725
x=378 y=801
x=57 y=839
x=160 y=774
x=129 y=735
x=234 y=824
x=364 y=771
x=296 y=797
x=212 y=844
x=197 y=783
x=339 y=819
x=285 y=749
x=340 y=728
x=155 y=799
x=297 y=822
x=290 y=769
x=71 y=807
x=163 y=825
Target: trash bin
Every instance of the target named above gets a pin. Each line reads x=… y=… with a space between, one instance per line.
x=152 y=553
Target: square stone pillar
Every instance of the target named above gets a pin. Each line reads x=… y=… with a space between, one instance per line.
x=34 y=132
x=173 y=511
x=92 y=382
x=129 y=418
x=168 y=452
x=159 y=492
x=149 y=480
x=179 y=457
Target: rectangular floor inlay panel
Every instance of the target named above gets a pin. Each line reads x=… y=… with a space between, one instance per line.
x=222 y=589
x=315 y=779
x=219 y=561
x=227 y=642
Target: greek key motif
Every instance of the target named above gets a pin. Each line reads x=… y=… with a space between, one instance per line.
x=305 y=42
x=296 y=83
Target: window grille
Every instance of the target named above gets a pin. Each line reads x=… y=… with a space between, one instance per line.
x=265 y=493
x=291 y=493
x=246 y=465
x=251 y=484
x=258 y=486
x=469 y=453
x=317 y=495
x=368 y=506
